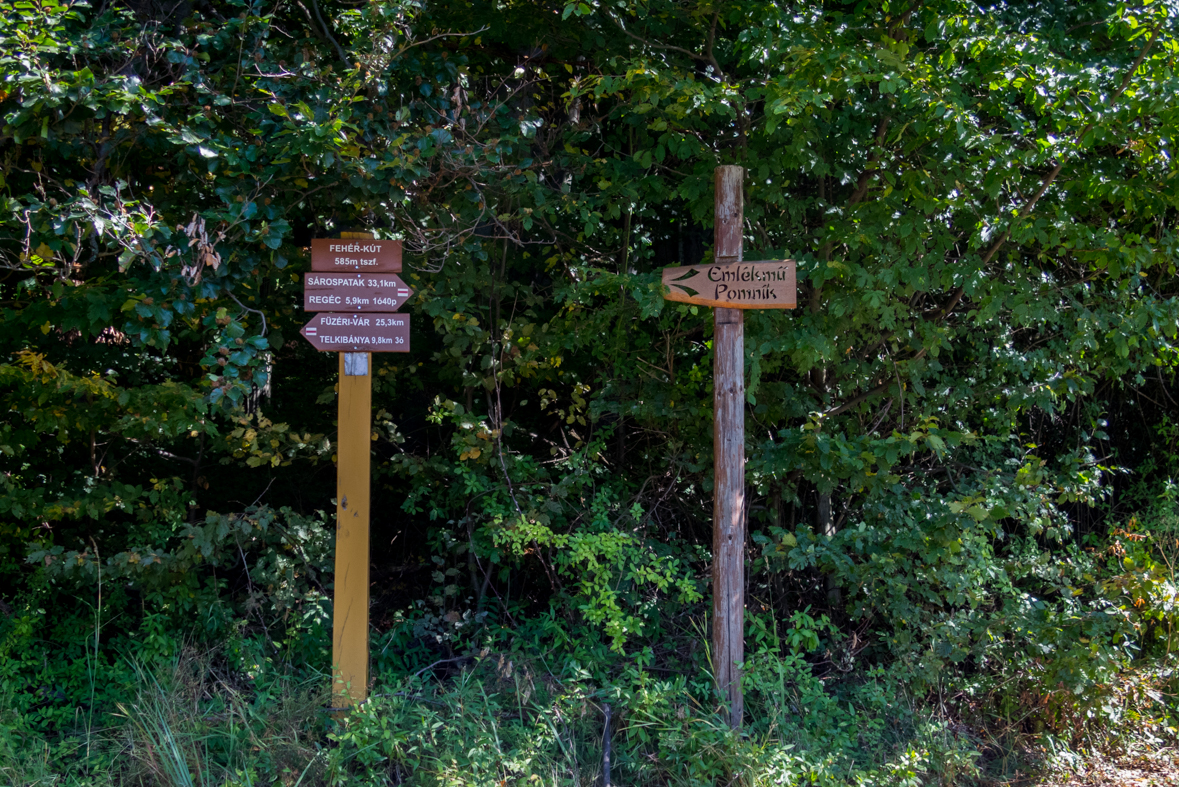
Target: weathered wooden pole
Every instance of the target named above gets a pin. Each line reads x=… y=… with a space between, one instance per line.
x=728 y=512
x=350 y=598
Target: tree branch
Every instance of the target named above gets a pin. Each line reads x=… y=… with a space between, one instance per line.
x=1051 y=176
x=1154 y=34
x=850 y=403
x=998 y=244
x=323 y=28
x=861 y=191
x=709 y=59
x=866 y=176
x=247 y=308
x=903 y=19
x=163 y=453
x=711 y=43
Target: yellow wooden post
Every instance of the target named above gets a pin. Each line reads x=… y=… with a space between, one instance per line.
x=350 y=600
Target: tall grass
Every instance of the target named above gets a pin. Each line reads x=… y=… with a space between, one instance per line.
x=188 y=727
x=503 y=719
x=191 y=722
x=169 y=745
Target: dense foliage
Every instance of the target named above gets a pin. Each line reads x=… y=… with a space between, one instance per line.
x=959 y=445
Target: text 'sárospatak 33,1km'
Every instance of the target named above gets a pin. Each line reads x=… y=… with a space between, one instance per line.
x=356 y=292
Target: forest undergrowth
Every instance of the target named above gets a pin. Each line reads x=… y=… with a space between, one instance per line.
x=534 y=699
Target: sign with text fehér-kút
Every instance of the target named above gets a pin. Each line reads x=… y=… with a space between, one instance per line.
x=358 y=255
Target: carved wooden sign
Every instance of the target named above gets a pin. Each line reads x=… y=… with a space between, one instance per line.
x=372 y=333
x=735 y=285
x=359 y=255
x=362 y=292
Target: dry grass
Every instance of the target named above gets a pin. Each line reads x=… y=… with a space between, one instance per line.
x=191 y=727
x=1145 y=769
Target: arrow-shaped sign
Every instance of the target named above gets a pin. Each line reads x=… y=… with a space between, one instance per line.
x=736 y=285
x=354 y=292
x=374 y=333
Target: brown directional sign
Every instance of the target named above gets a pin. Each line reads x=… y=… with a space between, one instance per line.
x=373 y=333
x=354 y=292
x=736 y=285
x=363 y=255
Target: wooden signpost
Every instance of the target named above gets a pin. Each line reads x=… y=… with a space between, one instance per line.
x=350 y=282
x=730 y=285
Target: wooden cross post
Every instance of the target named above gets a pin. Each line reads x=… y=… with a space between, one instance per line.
x=728 y=441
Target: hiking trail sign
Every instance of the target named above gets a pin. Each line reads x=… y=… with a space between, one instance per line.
x=736 y=285
x=370 y=333
x=731 y=286
x=347 y=292
x=353 y=287
x=358 y=255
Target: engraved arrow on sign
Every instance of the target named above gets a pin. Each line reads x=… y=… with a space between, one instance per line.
x=691 y=272
x=766 y=284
